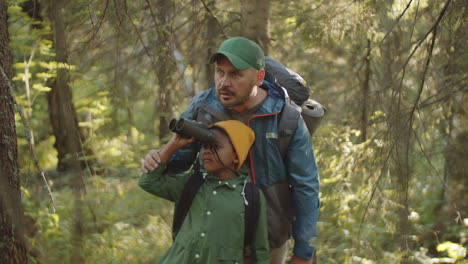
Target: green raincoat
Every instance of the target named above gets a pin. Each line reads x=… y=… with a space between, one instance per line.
x=213 y=230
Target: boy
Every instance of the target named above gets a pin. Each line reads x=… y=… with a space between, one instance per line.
x=213 y=230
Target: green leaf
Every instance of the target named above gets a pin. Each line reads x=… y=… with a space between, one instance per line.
x=40 y=87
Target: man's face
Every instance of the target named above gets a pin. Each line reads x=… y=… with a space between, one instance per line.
x=235 y=87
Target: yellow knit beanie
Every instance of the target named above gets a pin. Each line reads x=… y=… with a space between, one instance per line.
x=240 y=135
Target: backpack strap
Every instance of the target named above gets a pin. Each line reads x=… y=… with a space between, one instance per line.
x=287 y=125
x=252 y=212
x=185 y=202
x=209 y=115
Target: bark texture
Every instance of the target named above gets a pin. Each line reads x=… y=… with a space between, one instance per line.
x=456 y=205
x=255 y=17
x=165 y=65
x=12 y=243
x=213 y=32
x=61 y=109
x=365 y=93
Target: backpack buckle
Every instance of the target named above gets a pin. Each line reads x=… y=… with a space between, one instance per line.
x=285 y=133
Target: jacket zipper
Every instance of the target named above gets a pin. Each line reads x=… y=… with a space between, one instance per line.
x=252 y=169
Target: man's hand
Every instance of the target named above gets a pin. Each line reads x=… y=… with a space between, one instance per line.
x=151 y=161
x=298 y=260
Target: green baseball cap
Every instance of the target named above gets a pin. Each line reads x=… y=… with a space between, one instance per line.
x=242 y=53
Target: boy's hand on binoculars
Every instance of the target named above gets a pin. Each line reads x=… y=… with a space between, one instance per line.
x=154 y=157
x=179 y=141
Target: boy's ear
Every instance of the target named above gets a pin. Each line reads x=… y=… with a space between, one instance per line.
x=236 y=160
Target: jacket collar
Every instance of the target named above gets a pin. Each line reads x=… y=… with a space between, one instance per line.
x=274 y=101
x=232 y=183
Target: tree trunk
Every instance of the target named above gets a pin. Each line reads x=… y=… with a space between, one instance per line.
x=212 y=34
x=34 y=9
x=65 y=126
x=165 y=65
x=12 y=243
x=455 y=205
x=255 y=17
x=62 y=111
x=365 y=93
x=400 y=168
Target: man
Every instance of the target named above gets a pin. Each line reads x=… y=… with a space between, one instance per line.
x=291 y=185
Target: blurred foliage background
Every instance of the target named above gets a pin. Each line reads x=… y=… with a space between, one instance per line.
x=392 y=149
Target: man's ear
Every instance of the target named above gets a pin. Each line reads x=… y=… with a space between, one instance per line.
x=260 y=77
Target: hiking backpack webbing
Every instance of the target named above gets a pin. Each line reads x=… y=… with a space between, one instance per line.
x=287 y=125
x=252 y=211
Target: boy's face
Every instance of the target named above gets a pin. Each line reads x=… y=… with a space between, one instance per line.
x=225 y=151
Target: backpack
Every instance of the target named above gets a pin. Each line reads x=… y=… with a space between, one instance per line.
x=297 y=104
x=196 y=180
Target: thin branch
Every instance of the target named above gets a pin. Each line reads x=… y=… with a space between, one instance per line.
x=397 y=21
x=89 y=13
x=414 y=20
x=421 y=86
x=427 y=159
x=140 y=38
x=157 y=24
x=442 y=13
x=167 y=43
x=214 y=17
x=95 y=28
x=188 y=20
x=443 y=95
x=20 y=110
x=374 y=189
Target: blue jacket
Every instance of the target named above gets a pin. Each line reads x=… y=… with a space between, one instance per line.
x=298 y=171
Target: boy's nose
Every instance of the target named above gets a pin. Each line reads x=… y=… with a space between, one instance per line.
x=207 y=150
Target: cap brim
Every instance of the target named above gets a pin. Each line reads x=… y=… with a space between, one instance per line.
x=237 y=61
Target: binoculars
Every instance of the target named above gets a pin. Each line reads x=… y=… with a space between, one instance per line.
x=189 y=128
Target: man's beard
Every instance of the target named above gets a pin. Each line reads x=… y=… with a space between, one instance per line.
x=237 y=101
